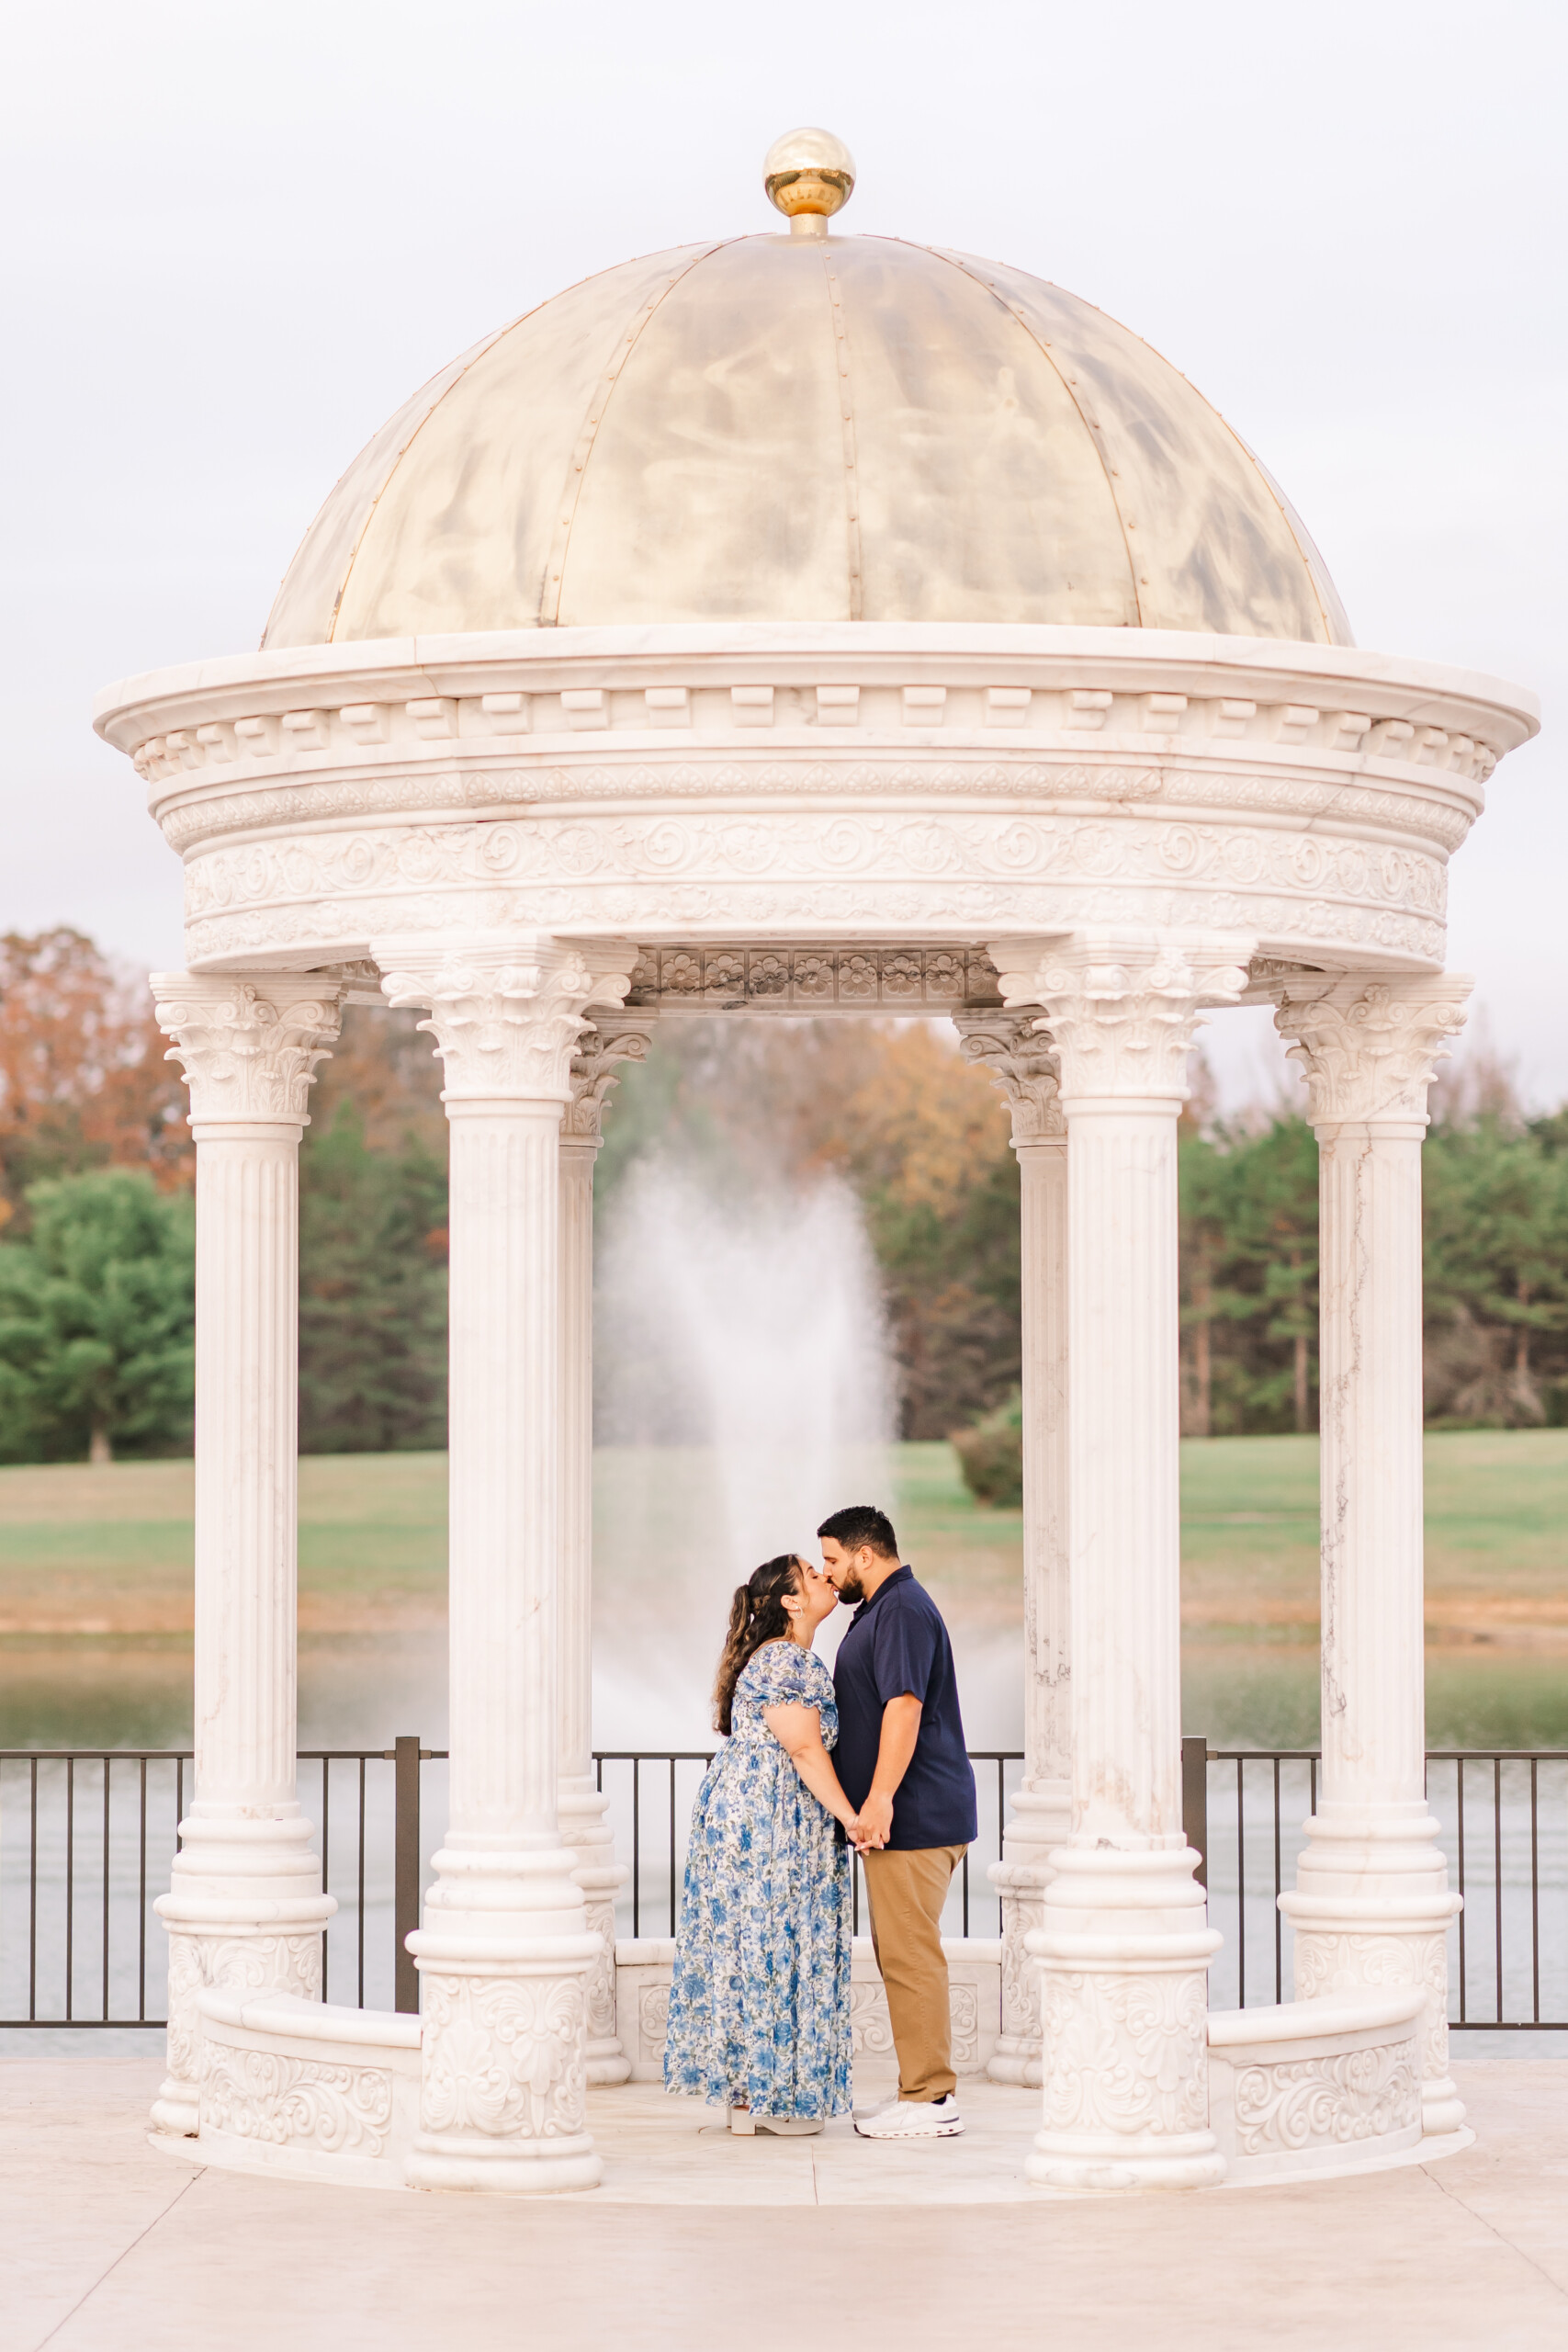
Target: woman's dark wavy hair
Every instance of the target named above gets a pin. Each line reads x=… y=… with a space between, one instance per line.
x=757 y=1614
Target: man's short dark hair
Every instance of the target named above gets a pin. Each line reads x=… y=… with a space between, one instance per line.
x=861 y=1523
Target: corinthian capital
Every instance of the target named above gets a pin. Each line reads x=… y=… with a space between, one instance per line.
x=609 y=1039
x=505 y=1012
x=1017 y=1051
x=1123 y=1007
x=248 y=1042
x=1368 y=1049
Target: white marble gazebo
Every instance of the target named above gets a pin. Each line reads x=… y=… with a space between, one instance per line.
x=801 y=624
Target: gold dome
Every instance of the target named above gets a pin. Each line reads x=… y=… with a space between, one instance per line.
x=793 y=428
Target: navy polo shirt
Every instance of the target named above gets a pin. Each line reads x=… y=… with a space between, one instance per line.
x=896 y=1646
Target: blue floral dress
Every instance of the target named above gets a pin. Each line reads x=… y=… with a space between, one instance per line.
x=760 y=2000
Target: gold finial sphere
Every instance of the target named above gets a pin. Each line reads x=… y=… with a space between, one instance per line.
x=810 y=175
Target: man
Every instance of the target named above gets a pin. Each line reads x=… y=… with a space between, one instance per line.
x=902 y=1763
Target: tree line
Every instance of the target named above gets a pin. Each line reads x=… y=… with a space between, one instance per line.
x=96 y=1229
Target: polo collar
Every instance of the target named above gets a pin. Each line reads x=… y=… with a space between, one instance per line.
x=904 y=1574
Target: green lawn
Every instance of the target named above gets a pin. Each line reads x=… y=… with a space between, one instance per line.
x=110 y=1549
x=95 y=1589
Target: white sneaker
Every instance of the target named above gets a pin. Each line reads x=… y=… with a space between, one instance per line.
x=908 y=2118
x=875 y=2107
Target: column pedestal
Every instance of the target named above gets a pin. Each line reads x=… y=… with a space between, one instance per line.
x=1371 y=1907
x=245 y=1908
x=1124 y=1946
x=506 y=1951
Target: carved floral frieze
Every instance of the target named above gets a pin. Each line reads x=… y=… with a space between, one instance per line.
x=596 y=851
x=1331 y=1962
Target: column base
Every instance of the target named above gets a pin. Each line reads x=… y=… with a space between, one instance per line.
x=1191 y=2161
x=506 y=2168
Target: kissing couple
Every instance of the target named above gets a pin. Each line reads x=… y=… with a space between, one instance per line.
x=871 y=1756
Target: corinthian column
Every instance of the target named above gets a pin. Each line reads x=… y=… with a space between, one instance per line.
x=1371 y=1904
x=505 y=1950
x=613 y=1038
x=1022 y=1063
x=1124 y=1946
x=246 y=1906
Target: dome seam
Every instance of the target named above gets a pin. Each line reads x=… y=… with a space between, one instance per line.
x=955 y=261
x=850 y=440
x=583 y=448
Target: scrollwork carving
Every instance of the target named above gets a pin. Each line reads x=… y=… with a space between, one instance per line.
x=297 y=2102
x=1330 y=1963
x=596 y=1071
x=1016 y=1051
x=1331 y=2101
x=503 y=2056
x=1368 y=1049
x=248 y=1045
x=1125 y=2053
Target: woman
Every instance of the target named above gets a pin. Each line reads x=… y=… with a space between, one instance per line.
x=760 y=2000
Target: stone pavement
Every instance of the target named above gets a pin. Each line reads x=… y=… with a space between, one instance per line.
x=707 y=2244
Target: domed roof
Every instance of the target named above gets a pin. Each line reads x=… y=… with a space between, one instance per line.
x=807 y=428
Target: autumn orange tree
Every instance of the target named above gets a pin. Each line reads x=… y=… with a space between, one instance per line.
x=83 y=1082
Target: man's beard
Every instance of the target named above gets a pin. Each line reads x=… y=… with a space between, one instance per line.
x=851 y=1591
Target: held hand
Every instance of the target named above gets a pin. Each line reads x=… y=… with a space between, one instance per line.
x=876 y=1824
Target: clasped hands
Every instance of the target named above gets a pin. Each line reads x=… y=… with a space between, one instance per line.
x=872 y=1825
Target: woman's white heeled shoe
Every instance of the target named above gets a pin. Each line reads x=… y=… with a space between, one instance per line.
x=742 y=2122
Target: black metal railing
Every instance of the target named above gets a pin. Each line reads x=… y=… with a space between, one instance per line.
x=81 y=1830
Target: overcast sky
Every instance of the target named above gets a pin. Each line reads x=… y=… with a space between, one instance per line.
x=237 y=235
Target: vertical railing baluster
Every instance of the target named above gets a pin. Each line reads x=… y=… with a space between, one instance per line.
x=1458 y=1789
x=362 y=1761
x=1535 y=1891
x=966 y=1890
x=141 y=1905
x=1278 y=1921
x=672 y=1844
x=32 y=1905
x=637 y=1845
x=1497 y=1871
x=326 y=1859
x=70 y=1884
x=406 y=1858
x=104 y=2003
x=1240 y=1888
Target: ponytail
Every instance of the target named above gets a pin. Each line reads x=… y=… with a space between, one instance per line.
x=757 y=1614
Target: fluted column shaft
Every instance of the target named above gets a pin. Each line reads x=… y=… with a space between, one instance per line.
x=1124 y=1945
x=1019 y=1056
x=245 y=1907
x=505 y=1950
x=1371 y=1906
x=611 y=1040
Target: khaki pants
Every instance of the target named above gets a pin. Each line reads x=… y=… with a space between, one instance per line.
x=905 y=1892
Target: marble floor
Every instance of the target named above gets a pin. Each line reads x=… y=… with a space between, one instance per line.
x=704 y=2242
